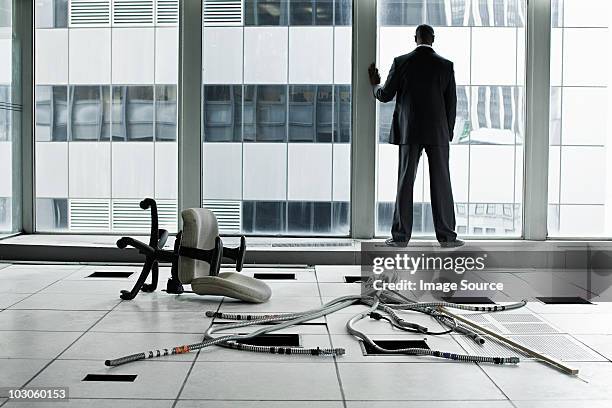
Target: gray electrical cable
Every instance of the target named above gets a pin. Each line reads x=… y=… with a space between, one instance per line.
x=281 y=321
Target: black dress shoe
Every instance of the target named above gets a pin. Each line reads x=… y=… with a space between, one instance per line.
x=393 y=243
x=452 y=244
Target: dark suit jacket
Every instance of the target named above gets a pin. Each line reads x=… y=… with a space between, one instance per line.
x=423 y=84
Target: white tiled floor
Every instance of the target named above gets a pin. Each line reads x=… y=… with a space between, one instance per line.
x=57 y=326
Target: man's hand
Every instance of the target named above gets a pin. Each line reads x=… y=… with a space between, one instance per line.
x=374 y=75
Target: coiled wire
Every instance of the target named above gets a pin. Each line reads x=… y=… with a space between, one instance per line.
x=372 y=299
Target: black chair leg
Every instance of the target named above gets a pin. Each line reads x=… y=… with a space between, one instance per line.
x=151 y=287
x=129 y=295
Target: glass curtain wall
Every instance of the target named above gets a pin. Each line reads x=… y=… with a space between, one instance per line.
x=580 y=159
x=106 y=114
x=486 y=41
x=276 y=125
x=10 y=114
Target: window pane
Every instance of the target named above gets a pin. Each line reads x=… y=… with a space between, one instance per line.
x=106 y=119
x=484 y=40
x=265 y=12
x=579 y=169
x=10 y=117
x=276 y=118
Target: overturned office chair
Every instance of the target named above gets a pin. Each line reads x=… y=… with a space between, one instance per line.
x=196 y=259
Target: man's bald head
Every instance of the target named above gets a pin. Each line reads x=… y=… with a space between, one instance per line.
x=424 y=34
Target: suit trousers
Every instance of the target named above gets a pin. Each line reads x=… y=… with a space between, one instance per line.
x=442 y=204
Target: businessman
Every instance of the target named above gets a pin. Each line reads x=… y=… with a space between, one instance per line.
x=423 y=84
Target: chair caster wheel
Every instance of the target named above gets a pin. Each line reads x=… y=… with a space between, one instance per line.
x=148 y=288
x=126 y=295
x=174 y=286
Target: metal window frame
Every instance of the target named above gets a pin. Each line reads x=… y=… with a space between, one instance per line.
x=363 y=146
x=537 y=91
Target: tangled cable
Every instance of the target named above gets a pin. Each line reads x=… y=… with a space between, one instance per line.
x=388 y=302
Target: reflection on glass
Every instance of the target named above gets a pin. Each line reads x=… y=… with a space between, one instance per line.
x=310 y=113
x=165 y=113
x=51 y=113
x=133 y=113
x=265 y=113
x=222 y=113
x=342 y=114
x=344 y=12
x=264 y=217
x=51 y=214
x=89 y=113
x=6 y=115
x=51 y=13
x=311 y=12
x=265 y=12
x=494 y=13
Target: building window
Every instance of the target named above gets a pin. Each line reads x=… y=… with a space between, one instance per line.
x=277 y=118
x=482 y=39
x=580 y=139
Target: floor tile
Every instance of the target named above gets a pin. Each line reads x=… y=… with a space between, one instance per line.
x=601 y=343
x=34 y=344
x=294 y=289
x=68 y=301
x=307 y=341
x=544 y=309
x=275 y=304
x=302 y=275
x=429 y=404
x=153 y=322
x=415 y=381
x=537 y=381
x=582 y=324
x=9 y=299
x=336 y=273
x=258 y=404
x=83 y=273
x=24 y=285
x=110 y=288
x=156 y=379
x=48 y=320
x=38 y=272
x=560 y=404
x=163 y=302
x=354 y=350
x=258 y=381
x=102 y=346
x=15 y=372
x=97 y=403
x=334 y=290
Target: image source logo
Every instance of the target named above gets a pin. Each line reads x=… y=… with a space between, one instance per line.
x=436 y=274
x=412 y=264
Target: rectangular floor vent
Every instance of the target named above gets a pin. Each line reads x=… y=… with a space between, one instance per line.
x=274 y=340
x=274 y=276
x=476 y=300
x=321 y=244
x=110 y=377
x=368 y=350
x=111 y=274
x=564 y=300
x=353 y=279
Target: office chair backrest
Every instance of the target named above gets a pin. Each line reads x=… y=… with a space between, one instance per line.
x=200 y=229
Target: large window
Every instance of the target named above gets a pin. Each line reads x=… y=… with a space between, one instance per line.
x=9 y=114
x=277 y=117
x=486 y=41
x=106 y=114
x=580 y=162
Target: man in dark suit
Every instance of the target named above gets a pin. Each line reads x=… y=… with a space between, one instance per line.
x=423 y=84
